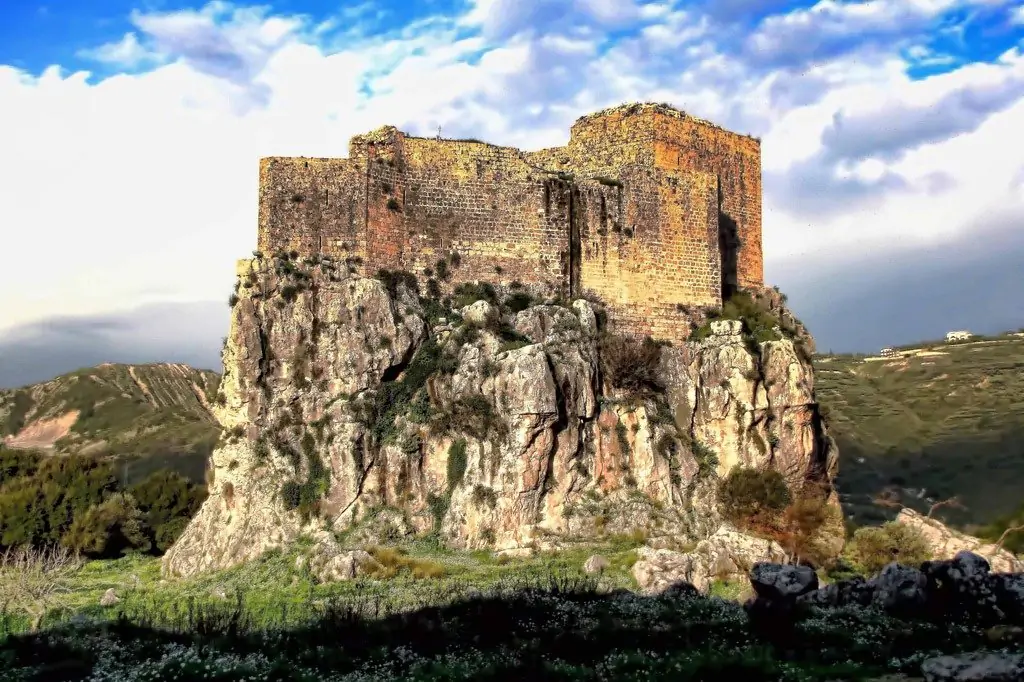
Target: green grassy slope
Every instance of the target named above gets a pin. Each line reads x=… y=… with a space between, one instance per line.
x=946 y=418
x=151 y=416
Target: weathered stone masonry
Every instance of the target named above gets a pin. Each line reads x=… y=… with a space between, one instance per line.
x=646 y=207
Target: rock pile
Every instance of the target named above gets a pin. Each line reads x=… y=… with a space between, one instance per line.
x=963 y=588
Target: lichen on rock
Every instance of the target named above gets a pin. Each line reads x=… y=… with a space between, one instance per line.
x=490 y=429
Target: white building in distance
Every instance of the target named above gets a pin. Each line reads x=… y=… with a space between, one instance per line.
x=961 y=335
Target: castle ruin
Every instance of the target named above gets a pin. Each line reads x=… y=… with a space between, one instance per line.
x=647 y=207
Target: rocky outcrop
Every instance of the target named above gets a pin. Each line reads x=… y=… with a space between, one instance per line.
x=725 y=555
x=344 y=395
x=945 y=543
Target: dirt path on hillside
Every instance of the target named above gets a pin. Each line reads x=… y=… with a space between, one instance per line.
x=42 y=433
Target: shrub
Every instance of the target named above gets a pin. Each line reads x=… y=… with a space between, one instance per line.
x=17 y=463
x=759 y=322
x=472 y=415
x=802 y=521
x=20 y=406
x=518 y=301
x=394 y=397
x=469 y=293
x=393 y=561
x=393 y=279
x=631 y=364
x=753 y=498
x=874 y=547
x=40 y=508
x=109 y=529
x=34 y=580
x=393 y=205
x=456 y=468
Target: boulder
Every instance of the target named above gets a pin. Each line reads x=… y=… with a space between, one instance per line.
x=480 y=314
x=109 y=598
x=782 y=582
x=946 y=543
x=900 y=588
x=975 y=667
x=330 y=566
x=595 y=565
x=726 y=555
x=961 y=588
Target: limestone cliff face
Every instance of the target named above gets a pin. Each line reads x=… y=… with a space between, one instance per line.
x=344 y=397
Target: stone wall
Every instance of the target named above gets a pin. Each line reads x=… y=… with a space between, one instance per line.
x=646 y=207
x=312 y=206
x=657 y=136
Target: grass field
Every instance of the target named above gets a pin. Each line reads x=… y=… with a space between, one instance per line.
x=945 y=419
x=478 y=618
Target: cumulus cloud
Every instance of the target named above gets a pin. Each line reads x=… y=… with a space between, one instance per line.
x=127 y=52
x=500 y=19
x=886 y=147
x=831 y=28
x=890 y=132
x=151 y=183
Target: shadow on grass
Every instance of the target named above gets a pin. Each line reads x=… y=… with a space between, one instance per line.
x=562 y=629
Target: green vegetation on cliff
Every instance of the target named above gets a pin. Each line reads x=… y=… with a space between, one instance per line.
x=945 y=419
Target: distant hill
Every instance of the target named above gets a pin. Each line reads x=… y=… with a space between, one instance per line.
x=149 y=416
x=937 y=421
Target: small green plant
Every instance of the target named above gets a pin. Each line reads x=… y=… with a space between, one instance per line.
x=484 y=496
x=874 y=547
x=623 y=435
x=393 y=205
x=456 y=467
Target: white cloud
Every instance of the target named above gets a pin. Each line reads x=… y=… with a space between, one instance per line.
x=833 y=27
x=948 y=180
x=143 y=187
x=1017 y=15
x=127 y=52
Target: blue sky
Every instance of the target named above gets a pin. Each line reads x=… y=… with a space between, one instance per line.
x=136 y=127
x=34 y=35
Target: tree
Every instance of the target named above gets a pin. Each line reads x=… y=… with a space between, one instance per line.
x=110 y=528
x=168 y=501
x=39 y=508
x=802 y=521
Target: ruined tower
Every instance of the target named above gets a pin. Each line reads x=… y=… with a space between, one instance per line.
x=646 y=207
